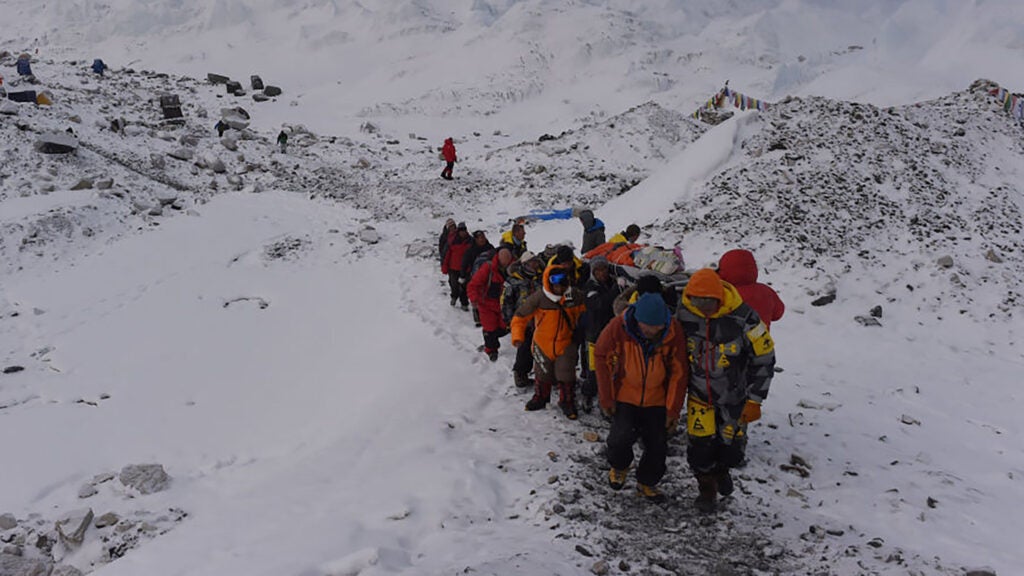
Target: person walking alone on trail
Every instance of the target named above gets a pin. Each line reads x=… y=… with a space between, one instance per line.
x=524 y=278
x=628 y=236
x=485 y=291
x=738 y=267
x=221 y=127
x=600 y=293
x=282 y=141
x=449 y=157
x=457 y=243
x=593 y=231
x=642 y=371
x=732 y=360
x=555 y=310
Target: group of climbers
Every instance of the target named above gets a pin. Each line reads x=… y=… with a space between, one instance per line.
x=643 y=350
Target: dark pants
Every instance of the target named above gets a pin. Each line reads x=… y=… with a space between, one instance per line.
x=722 y=450
x=524 y=358
x=491 y=342
x=458 y=289
x=447 y=172
x=648 y=424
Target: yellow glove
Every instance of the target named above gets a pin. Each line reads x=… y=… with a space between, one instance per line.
x=751 y=412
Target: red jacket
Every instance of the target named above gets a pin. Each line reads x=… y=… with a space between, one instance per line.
x=738 y=267
x=485 y=290
x=456 y=250
x=448 y=150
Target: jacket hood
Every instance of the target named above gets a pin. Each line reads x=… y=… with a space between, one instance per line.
x=448 y=141
x=731 y=300
x=738 y=267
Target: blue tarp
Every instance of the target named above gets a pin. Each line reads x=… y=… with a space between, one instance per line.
x=564 y=214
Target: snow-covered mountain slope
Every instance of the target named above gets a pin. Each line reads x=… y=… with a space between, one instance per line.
x=536 y=64
x=272 y=328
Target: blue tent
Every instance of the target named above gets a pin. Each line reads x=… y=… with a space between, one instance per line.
x=24 y=66
x=98 y=66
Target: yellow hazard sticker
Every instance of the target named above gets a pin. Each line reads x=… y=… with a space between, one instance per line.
x=700 y=419
x=761 y=339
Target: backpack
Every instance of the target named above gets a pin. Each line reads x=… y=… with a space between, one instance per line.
x=483 y=258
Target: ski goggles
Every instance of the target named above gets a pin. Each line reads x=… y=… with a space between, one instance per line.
x=559 y=279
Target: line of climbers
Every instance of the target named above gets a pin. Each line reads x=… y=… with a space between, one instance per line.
x=643 y=349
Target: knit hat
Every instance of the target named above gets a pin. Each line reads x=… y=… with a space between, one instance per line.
x=651 y=309
x=705 y=283
x=648 y=283
x=598 y=262
x=527 y=256
x=461 y=226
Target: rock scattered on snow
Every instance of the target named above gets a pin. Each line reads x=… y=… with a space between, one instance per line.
x=87 y=491
x=72 y=526
x=369 y=235
x=823 y=300
x=945 y=261
x=11 y=565
x=146 y=478
x=185 y=154
x=8 y=521
x=108 y=519
x=910 y=420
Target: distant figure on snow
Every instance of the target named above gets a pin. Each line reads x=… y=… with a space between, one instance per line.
x=24 y=65
x=282 y=141
x=221 y=126
x=448 y=155
x=627 y=236
x=98 y=66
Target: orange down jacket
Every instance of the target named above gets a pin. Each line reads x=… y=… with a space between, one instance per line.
x=628 y=373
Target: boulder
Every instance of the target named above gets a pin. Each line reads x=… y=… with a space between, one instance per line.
x=369 y=235
x=181 y=154
x=945 y=262
x=146 y=478
x=83 y=184
x=56 y=143
x=256 y=82
x=11 y=565
x=217 y=78
x=8 y=521
x=163 y=197
x=87 y=491
x=72 y=526
x=108 y=519
x=229 y=143
x=272 y=91
x=257 y=97
x=105 y=184
x=9 y=108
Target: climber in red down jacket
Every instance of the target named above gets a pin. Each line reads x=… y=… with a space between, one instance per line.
x=738 y=267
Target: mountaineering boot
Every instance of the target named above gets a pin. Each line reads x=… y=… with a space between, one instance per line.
x=454 y=300
x=650 y=493
x=705 y=501
x=567 y=399
x=617 y=478
x=492 y=355
x=521 y=379
x=724 y=481
x=541 y=395
x=465 y=307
